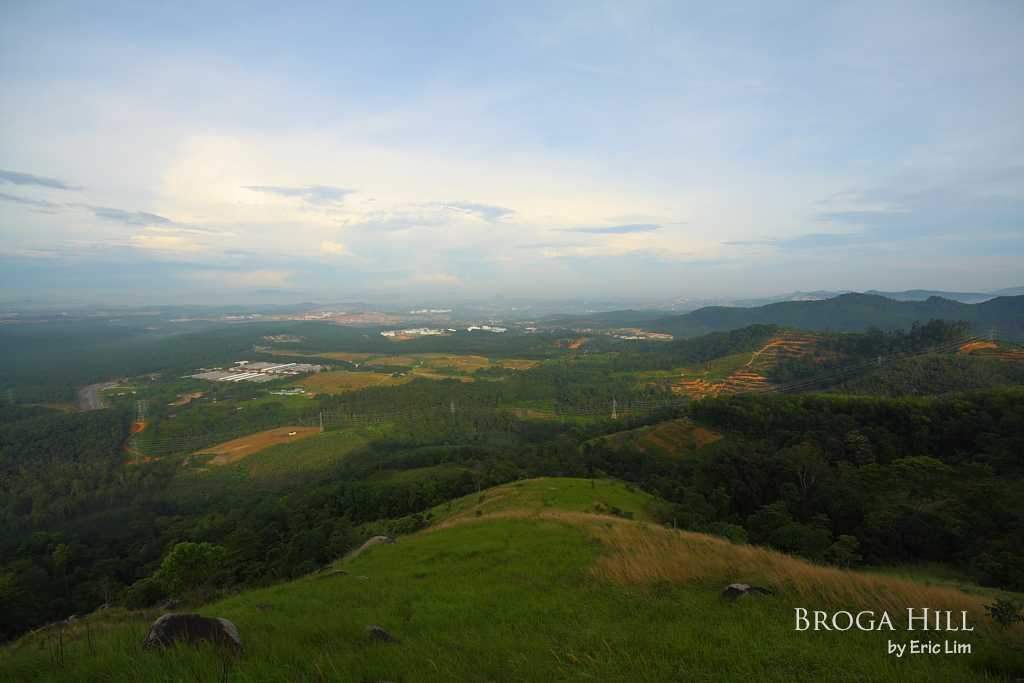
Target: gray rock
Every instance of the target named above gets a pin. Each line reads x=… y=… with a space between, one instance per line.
x=370 y=542
x=738 y=590
x=380 y=635
x=193 y=629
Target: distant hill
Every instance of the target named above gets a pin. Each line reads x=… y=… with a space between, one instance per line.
x=925 y=294
x=852 y=313
x=905 y=295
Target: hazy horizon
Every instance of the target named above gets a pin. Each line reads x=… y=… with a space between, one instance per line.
x=257 y=152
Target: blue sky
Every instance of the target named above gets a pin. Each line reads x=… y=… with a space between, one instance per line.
x=650 y=150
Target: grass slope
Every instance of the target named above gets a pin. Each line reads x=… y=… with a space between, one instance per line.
x=530 y=591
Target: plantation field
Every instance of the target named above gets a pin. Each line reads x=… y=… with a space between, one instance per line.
x=346 y=356
x=435 y=366
x=451 y=362
x=62 y=407
x=308 y=457
x=236 y=449
x=674 y=438
x=342 y=381
x=539 y=594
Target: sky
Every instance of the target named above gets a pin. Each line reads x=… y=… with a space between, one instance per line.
x=179 y=152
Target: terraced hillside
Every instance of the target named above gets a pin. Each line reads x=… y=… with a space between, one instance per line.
x=750 y=376
x=541 y=580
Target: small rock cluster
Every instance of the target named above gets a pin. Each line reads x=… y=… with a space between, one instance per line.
x=738 y=590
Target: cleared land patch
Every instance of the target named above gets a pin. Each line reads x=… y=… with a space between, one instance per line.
x=236 y=449
x=185 y=399
x=995 y=351
x=343 y=381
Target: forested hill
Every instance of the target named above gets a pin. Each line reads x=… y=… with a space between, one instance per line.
x=853 y=313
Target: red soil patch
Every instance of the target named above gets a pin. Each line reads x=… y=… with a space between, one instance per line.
x=977 y=346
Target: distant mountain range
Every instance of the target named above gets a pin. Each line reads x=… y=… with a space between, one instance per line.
x=906 y=295
x=852 y=313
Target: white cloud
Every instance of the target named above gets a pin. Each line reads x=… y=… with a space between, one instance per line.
x=335 y=248
x=160 y=242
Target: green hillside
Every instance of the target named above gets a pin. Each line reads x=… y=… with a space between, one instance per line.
x=535 y=581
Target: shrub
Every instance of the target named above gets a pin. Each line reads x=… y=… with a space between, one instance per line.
x=188 y=566
x=143 y=593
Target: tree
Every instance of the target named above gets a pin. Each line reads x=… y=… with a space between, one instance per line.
x=61 y=557
x=188 y=566
x=844 y=551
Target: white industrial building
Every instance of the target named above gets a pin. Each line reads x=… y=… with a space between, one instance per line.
x=245 y=371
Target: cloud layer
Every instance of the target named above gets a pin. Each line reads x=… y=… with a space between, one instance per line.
x=638 y=149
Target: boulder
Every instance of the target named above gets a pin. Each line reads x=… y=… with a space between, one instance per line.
x=370 y=542
x=738 y=590
x=193 y=629
x=380 y=635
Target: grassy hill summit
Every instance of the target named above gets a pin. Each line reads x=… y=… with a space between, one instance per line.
x=545 y=579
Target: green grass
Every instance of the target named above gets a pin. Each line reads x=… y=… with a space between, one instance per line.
x=562 y=493
x=498 y=599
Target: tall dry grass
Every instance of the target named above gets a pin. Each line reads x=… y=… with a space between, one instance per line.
x=646 y=554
